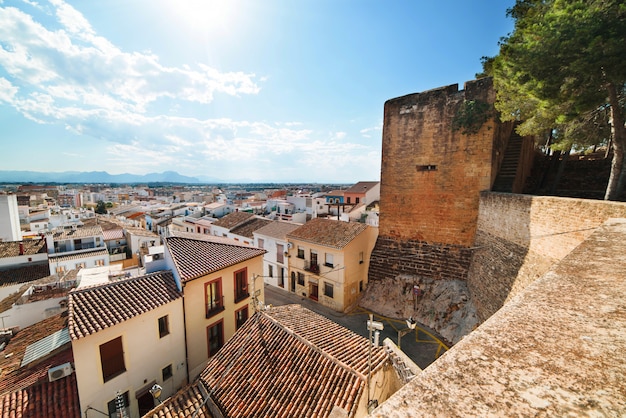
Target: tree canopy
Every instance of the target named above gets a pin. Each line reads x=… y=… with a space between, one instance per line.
x=563 y=69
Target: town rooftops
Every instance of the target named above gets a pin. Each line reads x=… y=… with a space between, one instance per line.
x=277 y=229
x=290 y=362
x=27 y=391
x=110 y=234
x=362 y=187
x=61 y=257
x=195 y=258
x=94 y=308
x=246 y=229
x=187 y=402
x=233 y=219
x=328 y=232
x=26 y=247
x=62 y=234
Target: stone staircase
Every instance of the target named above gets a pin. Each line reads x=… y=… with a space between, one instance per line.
x=508 y=169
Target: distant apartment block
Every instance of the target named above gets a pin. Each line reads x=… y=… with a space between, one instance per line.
x=9 y=219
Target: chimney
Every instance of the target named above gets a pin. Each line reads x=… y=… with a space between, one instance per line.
x=21 y=248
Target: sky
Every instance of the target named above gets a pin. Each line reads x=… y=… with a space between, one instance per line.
x=234 y=90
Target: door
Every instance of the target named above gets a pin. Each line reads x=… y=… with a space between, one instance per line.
x=146 y=403
x=313 y=291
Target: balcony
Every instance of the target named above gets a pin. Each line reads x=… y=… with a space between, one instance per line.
x=215 y=307
x=312 y=267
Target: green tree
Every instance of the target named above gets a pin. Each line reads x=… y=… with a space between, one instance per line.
x=563 y=70
x=101 y=207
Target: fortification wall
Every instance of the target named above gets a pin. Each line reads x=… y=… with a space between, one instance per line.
x=520 y=237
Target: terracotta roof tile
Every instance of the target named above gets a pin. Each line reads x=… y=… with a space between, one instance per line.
x=12 y=376
x=110 y=234
x=194 y=258
x=233 y=219
x=43 y=399
x=185 y=403
x=78 y=256
x=79 y=232
x=362 y=187
x=25 y=273
x=290 y=362
x=94 y=308
x=247 y=229
x=328 y=232
x=28 y=247
x=277 y=229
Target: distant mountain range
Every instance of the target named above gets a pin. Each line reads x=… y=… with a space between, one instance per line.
x=97 y=177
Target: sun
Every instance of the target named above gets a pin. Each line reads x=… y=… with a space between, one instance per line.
x=209 y=15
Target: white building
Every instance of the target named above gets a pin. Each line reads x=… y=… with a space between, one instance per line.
x=76 y=247
x=273 y=239
x=9 y=218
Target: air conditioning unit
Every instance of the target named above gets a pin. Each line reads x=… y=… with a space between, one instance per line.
x=156 y=256
x=59 y=372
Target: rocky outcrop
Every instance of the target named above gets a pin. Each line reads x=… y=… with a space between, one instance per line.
x=442 y=305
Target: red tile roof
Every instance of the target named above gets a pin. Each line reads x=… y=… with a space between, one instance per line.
x=60 y=257
x=110 y=234
x=290 y=362
x=185 y=403
x=328 y=232
x=362 y=187
x=25 y=273
x=26 y=391
x=44 y=399
x=195 y=258
x=247 y=229
x=94 y=308
x=27 y=247
x=233 y=219
x=277 y=229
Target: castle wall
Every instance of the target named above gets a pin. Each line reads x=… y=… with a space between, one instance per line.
x=520 y=237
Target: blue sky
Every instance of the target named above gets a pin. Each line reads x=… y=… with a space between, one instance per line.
x=238 y=90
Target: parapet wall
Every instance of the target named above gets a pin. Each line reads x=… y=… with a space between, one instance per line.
x=520 y=237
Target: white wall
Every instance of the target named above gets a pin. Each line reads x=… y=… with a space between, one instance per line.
x=9 y=218
x=30 y=313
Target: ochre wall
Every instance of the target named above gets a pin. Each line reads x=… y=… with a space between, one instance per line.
x=520 y=237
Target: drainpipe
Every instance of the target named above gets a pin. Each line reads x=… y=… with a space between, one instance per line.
x=185 y=333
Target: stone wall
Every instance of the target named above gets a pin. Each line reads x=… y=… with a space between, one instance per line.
x=520 y=237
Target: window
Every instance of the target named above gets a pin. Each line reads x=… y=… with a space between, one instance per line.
x=241 y=316
x=112 y=359
x=301 y=279
x=358 y=200
x=213 y=297
x=280 y=253
x=99 y=263
x=300 y=252
x=328 y=260
x=164 y=326
x=241 y=285
x=60 y=269
x=270 y=271
x=166 y=373
x=215 y=337
x=80 y=266
x=313 y=257
x=121 y=401
x=361 y=257
x=328 y=289
x=360 y=285
x=261 y=243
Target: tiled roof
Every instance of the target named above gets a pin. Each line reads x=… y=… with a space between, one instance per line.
x=94 y=308
x=277 y=229
x=290 y=362
x=12 y=376
x=185 y=403
x=29 y=247
x=362 y=187
x=78 y=256
x=327 y=232
x=233 y=219
x=246 y=229
x=194 y=258
x=62 y=234
x=24 y=274
x=203 y=237
x=57 y=399
x=110 y=234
